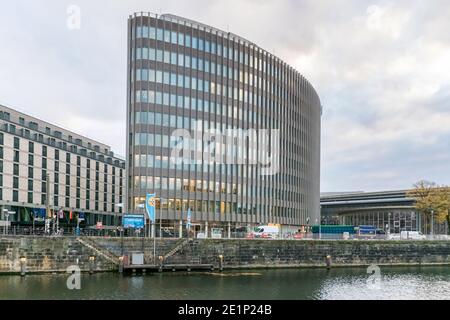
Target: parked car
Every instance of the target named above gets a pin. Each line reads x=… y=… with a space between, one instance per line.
x=393 y=236
x=265 y=232
x=412 y=235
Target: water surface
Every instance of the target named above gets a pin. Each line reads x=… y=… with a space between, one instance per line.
x=349 y=283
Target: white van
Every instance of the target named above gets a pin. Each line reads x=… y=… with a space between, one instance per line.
x=412 y=235
x=270 y=232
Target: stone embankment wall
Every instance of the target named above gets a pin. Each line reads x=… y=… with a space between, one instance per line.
x=45 y=254
x=56 y=254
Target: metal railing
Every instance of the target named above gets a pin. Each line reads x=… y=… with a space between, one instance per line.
x=174 y=233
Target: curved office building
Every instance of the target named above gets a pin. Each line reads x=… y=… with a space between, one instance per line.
x=257 y=157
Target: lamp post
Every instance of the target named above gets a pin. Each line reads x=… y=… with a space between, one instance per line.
x=7 y=214
x=320 y=229
x=432 y=224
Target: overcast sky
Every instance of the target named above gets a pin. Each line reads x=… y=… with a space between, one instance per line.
x=381 y=68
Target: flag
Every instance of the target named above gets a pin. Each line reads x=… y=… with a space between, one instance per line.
x=61 y=214
x=150 y=206
x=70 y=215
x=188 y=223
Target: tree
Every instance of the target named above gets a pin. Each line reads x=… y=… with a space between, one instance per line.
x=442 y=203
x=431 y=199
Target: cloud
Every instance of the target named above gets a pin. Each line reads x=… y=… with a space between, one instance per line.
x=379 y=66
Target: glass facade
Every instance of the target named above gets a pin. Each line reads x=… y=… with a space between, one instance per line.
x=180 y=73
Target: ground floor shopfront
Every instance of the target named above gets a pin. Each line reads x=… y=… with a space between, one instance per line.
x=27 y=216
x=393 y=220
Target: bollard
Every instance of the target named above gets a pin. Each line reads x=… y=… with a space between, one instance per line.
x=121 y=264
x=23 y=263
x=91 y=264
x=188 y=269
x=220 y=263
x=144 y=271
x=328 y=261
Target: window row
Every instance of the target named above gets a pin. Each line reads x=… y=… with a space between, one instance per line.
x=192 y=103
x=204 y=45
x=199 y=64
x=219 y=207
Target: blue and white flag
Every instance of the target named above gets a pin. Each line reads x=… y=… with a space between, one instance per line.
x=188 y=223
x=150 y=206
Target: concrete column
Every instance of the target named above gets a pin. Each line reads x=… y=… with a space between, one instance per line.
x=181 y=229
x=229 y=230
x=206 y=229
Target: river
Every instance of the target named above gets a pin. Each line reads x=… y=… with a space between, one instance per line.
x=349 y=283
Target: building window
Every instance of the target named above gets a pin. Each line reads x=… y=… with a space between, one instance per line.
x=44 y=163
x=30 y=197
x=30 y=173
x=1 y=138
x=68 y=168
x=78 y=161
x=43 y=187
x=15 y=169
x=15 y=182
x=30 y=160
x=16 y=143
x=16 y=156
x=56 y=154
x=1 y=152
x=30 y=185
x=56 y=166
x=44 y=151
x=15 y=196
x=55 y=201
x=68 y=157
x=67 y=180
x=67 y=202
x=43 y=199
x=30 y=147
x=78 y=203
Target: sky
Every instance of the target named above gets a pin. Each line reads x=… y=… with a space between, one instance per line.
x=381 y=69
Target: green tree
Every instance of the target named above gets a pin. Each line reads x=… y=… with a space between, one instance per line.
x=431 y=199
x=442 y=203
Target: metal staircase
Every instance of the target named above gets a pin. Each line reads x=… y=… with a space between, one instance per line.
x=98 y=250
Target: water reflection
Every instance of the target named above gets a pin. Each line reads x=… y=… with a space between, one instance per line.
x=396 y=283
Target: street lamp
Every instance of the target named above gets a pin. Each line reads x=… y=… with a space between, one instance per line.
x=320 y=229
x=432 y=224
x=7 y=213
